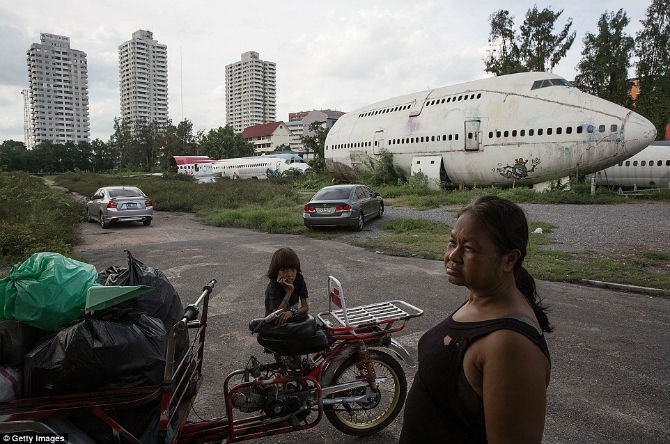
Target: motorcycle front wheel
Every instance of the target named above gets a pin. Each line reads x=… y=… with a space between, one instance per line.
x=368 y=417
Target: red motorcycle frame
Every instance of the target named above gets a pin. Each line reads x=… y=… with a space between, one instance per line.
x=344 y=380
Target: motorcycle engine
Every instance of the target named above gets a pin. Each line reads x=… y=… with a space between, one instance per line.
x=276 y=400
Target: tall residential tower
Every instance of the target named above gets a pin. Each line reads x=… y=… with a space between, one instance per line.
x=251 y=92
x=58 y=91
x=143 y=79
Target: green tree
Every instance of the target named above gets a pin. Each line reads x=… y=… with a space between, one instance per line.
x=14 y=156
x=179 y=141
x=603 y=69
x=103 y=157
x=539 y=48
x=315 y=143
x=224 y=143
x=503 y=53
x=652 y=46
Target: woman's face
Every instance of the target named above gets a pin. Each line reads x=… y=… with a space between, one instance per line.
x=471 y=258
x=287 y=274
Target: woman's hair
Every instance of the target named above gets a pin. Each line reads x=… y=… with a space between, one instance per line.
x=506 y=223
x=283 y=258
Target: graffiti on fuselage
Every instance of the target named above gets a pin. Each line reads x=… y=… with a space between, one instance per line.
x=519 y=170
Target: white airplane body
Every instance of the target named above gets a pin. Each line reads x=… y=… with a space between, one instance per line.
x=650 y=168
x=255 y=167
x=525 y=128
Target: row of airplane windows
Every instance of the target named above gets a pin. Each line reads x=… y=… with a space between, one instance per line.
x=559 y=130
x=422 y=139
x=644 y=163
x=426 y=103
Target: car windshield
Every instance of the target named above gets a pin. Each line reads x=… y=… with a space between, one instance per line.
x=125 y=193
x=333 y=194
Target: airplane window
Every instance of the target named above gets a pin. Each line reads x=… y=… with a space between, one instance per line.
x=444 y=137
x=448 y=99
x=549 y=131
x=659 y=163
x=465 y=97
x=601 y=128
x=628 y=163
x=559 y=130
x=667 y=163
x=522 y=133
x=613 y=128
x=432 y=138
x=442 y=101
x=479 y=95
x=450 y=136
x=459 y=98
x=580 y=129
x=590 y=128
x=620 y=163
x=635 y=163
x=472 y=97
x=531 y=132
x=375 y=143
x=455 y=136
x=490 y=134
x=568 y=130
x=513 y=133
x=539 y=131
x=498 y=133
x=643 y=163
x=470 y=136
x=506 y=133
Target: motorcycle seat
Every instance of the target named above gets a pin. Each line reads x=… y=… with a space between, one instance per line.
x=296 y=327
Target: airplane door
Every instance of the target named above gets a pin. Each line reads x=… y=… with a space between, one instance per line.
x=378 y=142
x=472 y=135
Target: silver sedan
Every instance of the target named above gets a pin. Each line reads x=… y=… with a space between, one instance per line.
x=119 y=204
x=344 y=206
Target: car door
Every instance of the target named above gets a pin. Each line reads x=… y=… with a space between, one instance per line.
x=363 y=197
x=93 y=204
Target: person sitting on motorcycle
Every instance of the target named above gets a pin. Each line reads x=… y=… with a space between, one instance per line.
x=286 y=294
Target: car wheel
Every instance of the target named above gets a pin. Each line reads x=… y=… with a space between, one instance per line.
x=381 y=210
x=146 y=222
x=103 y=224
x=361 y=222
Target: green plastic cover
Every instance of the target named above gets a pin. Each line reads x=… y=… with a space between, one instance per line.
x=101 y=297
x=47 y=290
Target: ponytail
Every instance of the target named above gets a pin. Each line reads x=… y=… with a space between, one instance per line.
x=526 y=285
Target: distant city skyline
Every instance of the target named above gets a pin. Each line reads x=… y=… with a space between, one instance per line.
x=338 y=56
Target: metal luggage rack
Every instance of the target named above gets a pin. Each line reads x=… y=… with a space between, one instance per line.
x=363 y=315
x=373 y=314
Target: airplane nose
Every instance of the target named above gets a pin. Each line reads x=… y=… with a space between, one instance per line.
x=638 y=132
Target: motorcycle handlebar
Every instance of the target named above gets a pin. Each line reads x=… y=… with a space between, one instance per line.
x=191 y=311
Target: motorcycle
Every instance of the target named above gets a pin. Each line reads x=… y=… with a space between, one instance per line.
x=342 y=364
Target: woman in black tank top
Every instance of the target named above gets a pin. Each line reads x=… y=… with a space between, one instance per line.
x=483 y=372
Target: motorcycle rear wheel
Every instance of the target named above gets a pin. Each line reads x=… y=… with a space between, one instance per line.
x=363 y=419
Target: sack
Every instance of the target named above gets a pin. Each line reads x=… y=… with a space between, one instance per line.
x=162 y=303
x=16 y=339
x=10 y=384
x=97 y=354
x=46 y=291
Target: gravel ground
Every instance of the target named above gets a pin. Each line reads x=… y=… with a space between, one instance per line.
x=608 y=229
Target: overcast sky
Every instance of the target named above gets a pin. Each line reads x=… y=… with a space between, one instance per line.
x=340 y=54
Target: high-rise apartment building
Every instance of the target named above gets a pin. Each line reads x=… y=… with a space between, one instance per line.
x=58 y=91
x=143 y=79
x=251 y=92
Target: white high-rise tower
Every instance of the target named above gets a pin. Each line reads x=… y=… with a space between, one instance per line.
x=58 y=91
x=143 y=79
x=251 y=92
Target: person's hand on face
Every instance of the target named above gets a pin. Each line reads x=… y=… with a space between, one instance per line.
x=285 y=278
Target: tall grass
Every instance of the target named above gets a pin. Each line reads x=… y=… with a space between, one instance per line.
x=34 y=218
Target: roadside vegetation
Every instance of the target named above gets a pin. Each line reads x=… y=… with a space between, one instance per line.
x=40 y=218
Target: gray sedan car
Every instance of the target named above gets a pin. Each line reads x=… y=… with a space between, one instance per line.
x=344 y=206
x=119 y=204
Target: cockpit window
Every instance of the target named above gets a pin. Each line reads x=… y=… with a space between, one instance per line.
x=550 y=82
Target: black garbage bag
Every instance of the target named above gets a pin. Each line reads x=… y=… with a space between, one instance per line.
x=163 y=302
x=127 y=349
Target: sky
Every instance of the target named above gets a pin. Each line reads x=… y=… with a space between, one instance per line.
x=338 y=55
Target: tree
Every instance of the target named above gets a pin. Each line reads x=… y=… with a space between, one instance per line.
x=539 y=48
x=535 y=48
x=103 y=157
x=14 y=156
x=653 y=67
x=223 y=143
x=179 y=141
x=316 y=144
x=603 y=70
x=503 y=53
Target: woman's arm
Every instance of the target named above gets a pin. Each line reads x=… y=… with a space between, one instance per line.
x=515 y=375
